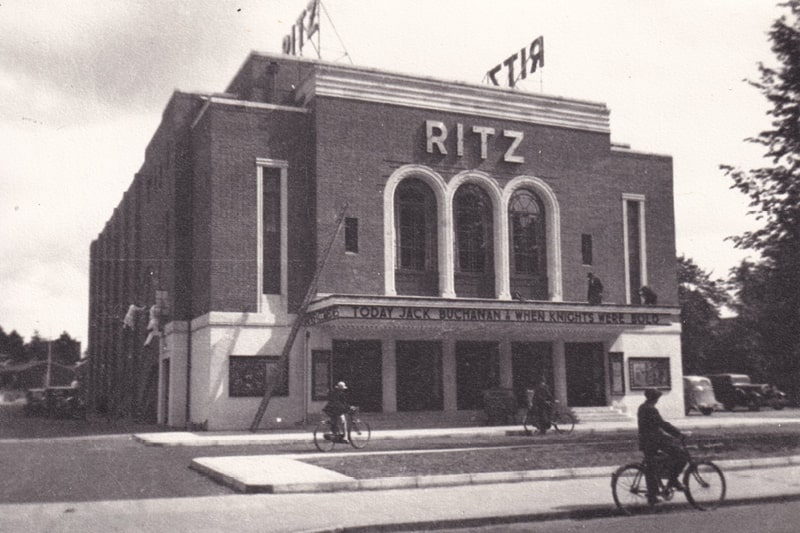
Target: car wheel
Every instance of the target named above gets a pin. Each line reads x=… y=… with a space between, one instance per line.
x=706 y=410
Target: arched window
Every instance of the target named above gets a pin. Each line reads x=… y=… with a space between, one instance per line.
x=528 y=261
x=472 y=213
x=415 y=224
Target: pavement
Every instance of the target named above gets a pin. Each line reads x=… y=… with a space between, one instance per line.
x=306 y=498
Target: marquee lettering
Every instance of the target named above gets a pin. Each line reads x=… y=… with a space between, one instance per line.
x=470 y=314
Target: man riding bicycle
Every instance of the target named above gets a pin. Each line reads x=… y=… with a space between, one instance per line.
x=336 y=408
x=543 y=403
x=657 y=435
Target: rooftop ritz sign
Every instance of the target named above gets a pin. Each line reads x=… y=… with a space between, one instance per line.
x=305 y=27
x=530 y=57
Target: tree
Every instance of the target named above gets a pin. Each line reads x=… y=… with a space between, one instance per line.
x=701 y=299
x=12 y=345
x=774 y=193
x=66 y=350
x=36 y=348
x=761 y=325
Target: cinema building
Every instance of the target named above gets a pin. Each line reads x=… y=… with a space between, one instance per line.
x=472 y=216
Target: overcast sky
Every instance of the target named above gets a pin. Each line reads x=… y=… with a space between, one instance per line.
x=83 y=84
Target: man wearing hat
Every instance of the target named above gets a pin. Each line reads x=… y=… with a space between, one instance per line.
x=656 y=434
x=336 y=408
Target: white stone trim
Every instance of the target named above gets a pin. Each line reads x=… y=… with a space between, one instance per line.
x=444 y=235
x=640 y=199
x=274 y=305
x=499 y=223
x=450 y=97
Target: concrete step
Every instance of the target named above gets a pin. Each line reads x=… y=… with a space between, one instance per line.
x=600 y=414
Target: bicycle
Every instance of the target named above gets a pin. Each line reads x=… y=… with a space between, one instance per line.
x=561 y=420
x=358 y=432
x=703 y=481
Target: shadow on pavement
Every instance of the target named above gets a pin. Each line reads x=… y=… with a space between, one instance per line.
x=14 y=424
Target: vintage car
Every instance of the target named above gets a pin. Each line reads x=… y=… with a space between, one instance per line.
x=59 y=402
x=35 y=402
x=737 y=390
x=698 y=394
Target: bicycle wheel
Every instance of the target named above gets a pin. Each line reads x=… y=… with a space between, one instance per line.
x=564 y=422
x=322 y=430
x=705 y=485
x=629 y=488
x=531 y=422
x=359 y=433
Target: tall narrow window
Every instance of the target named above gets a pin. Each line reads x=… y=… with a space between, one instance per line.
x=586 y=249
x=415 y=235
x=474 y=257
x=635 y=255
x=527 y=245
x=272 y=230
x=415 y=228
x=527 y=233
x=473 y=229
x=351 y=235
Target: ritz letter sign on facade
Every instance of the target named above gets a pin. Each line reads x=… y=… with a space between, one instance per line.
x=436 y=135
x=531 y=58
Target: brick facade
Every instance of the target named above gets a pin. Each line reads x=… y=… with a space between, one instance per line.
x=190 y=224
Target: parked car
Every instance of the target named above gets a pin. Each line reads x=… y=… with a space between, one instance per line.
x=34 y=402
x=58 y=402
x=698 y=394
x=735 y=390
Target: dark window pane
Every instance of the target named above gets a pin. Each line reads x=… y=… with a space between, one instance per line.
x=473 y=212
x=416 y=216
x=634 y=250
x=351 y=235
x=527 y=233
x=271 y=220
x=586 y=249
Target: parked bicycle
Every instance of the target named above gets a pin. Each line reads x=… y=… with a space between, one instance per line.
x=561 y=419
x=703 y=481
x=358 y=432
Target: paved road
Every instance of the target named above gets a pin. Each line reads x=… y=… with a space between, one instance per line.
x=763 y=518
x=110 y=482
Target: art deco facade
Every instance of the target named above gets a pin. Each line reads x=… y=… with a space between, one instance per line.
x=472 y=216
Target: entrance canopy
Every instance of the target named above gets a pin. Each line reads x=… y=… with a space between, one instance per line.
x=349 y=310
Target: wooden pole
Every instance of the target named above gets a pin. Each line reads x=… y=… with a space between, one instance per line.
x=283 y=364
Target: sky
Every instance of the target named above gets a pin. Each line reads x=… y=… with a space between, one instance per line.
x=83 y=84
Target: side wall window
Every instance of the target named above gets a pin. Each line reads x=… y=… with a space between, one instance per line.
x=351 y=235
x=635 y=247
x=271 y=219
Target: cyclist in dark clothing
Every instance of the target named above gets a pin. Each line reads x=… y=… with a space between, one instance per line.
x=543 y=402
x=336 y=408
x=656 y=434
